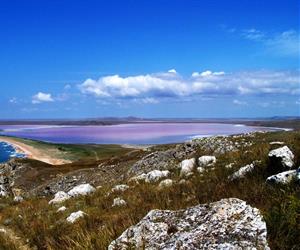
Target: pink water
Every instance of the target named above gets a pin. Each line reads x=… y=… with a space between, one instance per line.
x=142 y=133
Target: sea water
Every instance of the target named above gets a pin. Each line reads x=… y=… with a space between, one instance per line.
x=7 y=152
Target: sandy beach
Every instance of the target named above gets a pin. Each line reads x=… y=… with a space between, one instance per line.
x=32 y=152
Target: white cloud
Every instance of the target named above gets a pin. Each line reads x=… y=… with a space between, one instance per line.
x=149 y=100
x=237 y=102
x=41 y=97
x=285 y=43
x=253 y=34
x=67 y=86
x=13 y=100
x=207 y=83
x=172 y=71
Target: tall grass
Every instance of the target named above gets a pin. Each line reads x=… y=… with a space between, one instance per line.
x=39 y=222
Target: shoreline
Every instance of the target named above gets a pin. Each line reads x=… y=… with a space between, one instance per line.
x=32 y=152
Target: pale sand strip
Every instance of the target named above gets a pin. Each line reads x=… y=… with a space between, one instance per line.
x=32 y=152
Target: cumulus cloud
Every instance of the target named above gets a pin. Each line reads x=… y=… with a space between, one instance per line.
x=172 y=71
x=206 y=83
x=42 y=97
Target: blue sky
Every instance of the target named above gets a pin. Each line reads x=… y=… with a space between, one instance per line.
x=159 y=58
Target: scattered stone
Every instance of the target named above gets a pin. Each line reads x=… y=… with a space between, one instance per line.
x=165 y=183
x=182 y=182
x=120 y=188
x=298 y=175
x=207 y=161
x=281 y=159
x=18 y=198
x=60 y=197
x=276 y=143
x=187 y=167
x=283 y=178
x=3 y=191
x=139 y=178
x=118 y=202
x=156 y=175
x=229 y=166
x=242 y=172
x=152 y=176
x=75 y=216
x=83 y=189
x=226 y=224
x=61 y=209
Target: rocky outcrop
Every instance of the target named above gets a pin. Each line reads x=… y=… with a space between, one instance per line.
x=281 y=159
x=226 y=224
x=283 y=178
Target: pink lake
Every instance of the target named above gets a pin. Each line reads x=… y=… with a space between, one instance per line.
x=136 y=133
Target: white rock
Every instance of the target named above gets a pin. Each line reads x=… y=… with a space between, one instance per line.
x=156 y=175
x=283 y=178
x=152 y=176
x=276 y=143
x=227 y=224
x=18 y=198
x=229 y=166
x=60 y=197
x=241 y=173
x=75 y=216
x=187 y=167
x=118 y=202
x=200 y=169
x=165 y=183
x=207 y=160
x=139 y=178
x=83 y=189
x=182 y=182
x=61 y=209
x=284 y=154
x=120 y=188
x=3 y=191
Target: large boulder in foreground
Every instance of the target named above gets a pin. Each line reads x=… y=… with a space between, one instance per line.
x=226 y=224
x=281 y=159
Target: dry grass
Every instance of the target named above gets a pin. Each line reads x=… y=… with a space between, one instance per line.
x=44 y=228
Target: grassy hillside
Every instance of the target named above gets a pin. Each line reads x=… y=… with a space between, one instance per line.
x=39 y=224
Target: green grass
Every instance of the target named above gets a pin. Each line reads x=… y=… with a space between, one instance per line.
x=75 y=152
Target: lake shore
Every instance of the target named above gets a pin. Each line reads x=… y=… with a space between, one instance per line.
x=32 y=152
